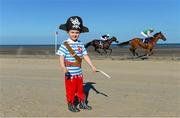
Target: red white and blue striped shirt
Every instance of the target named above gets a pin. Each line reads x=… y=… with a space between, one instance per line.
x=80 y=50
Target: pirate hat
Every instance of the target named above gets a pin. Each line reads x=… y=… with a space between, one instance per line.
x=74 y=23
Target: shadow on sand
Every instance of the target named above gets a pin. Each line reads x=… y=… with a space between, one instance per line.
x=87 y=87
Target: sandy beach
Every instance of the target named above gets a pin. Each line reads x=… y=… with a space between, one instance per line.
x=35 y=87
x=139 y=48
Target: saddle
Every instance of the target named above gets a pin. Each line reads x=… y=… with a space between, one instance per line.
x=146 y=40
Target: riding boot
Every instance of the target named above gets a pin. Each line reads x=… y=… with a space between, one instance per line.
x=101 y=44
x=146 y=44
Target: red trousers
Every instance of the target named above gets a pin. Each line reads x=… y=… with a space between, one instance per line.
x=74 y=87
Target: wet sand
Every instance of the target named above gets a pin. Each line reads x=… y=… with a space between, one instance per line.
x=34 y=86
x=161 y=52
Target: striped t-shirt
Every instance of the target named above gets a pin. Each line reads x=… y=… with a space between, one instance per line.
x=80 y=50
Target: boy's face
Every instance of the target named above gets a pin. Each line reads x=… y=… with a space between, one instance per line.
x=74 y=34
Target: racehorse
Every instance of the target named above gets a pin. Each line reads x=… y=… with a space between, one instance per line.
x=137 y=42
x=105 y=45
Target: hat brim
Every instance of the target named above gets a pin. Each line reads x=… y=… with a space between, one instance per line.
x=85 y=29
x=63 y=27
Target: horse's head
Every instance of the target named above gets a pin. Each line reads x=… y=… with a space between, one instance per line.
x=114 y=39
x=159 y=35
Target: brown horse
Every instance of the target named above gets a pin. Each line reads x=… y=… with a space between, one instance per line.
x=105 y=45
x=137 y=42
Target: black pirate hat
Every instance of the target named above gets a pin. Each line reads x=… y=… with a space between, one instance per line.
x=74 y=23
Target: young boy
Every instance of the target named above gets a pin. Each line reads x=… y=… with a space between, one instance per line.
x=71 y=53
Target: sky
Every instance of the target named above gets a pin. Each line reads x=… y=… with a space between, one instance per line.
x=35 y=21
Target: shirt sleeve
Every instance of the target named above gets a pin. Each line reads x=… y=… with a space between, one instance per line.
x=62 y=50
x=149 y=33
x=84 y=51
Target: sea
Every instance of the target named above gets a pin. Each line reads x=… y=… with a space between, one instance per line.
x=50 y=49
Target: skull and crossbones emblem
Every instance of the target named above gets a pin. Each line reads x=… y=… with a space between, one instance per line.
x=75 y=23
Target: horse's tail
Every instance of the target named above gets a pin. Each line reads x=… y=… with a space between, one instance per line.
x=124 y=43
x=87 y=45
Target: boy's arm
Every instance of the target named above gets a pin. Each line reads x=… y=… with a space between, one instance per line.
x=88 y=60
x=61 y=60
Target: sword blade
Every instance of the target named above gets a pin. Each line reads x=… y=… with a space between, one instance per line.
x=102 y=72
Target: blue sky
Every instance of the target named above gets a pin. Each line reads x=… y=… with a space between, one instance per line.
x=35 y=21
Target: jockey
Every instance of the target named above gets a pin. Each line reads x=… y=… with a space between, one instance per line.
x=147 y=34
x=104 y=38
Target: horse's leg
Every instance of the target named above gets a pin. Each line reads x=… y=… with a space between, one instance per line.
x=151 y=52
x=133 y=51
x=130 y=49
x=147 y=52
x=99 y=52
x=96 y=49
x=110 y=51
x=105 y=51
x=136 y=52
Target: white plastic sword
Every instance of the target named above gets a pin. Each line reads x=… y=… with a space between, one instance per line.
x=102 y=72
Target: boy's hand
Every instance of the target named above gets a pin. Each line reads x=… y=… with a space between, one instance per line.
x=94 y=69
x=65 y=70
